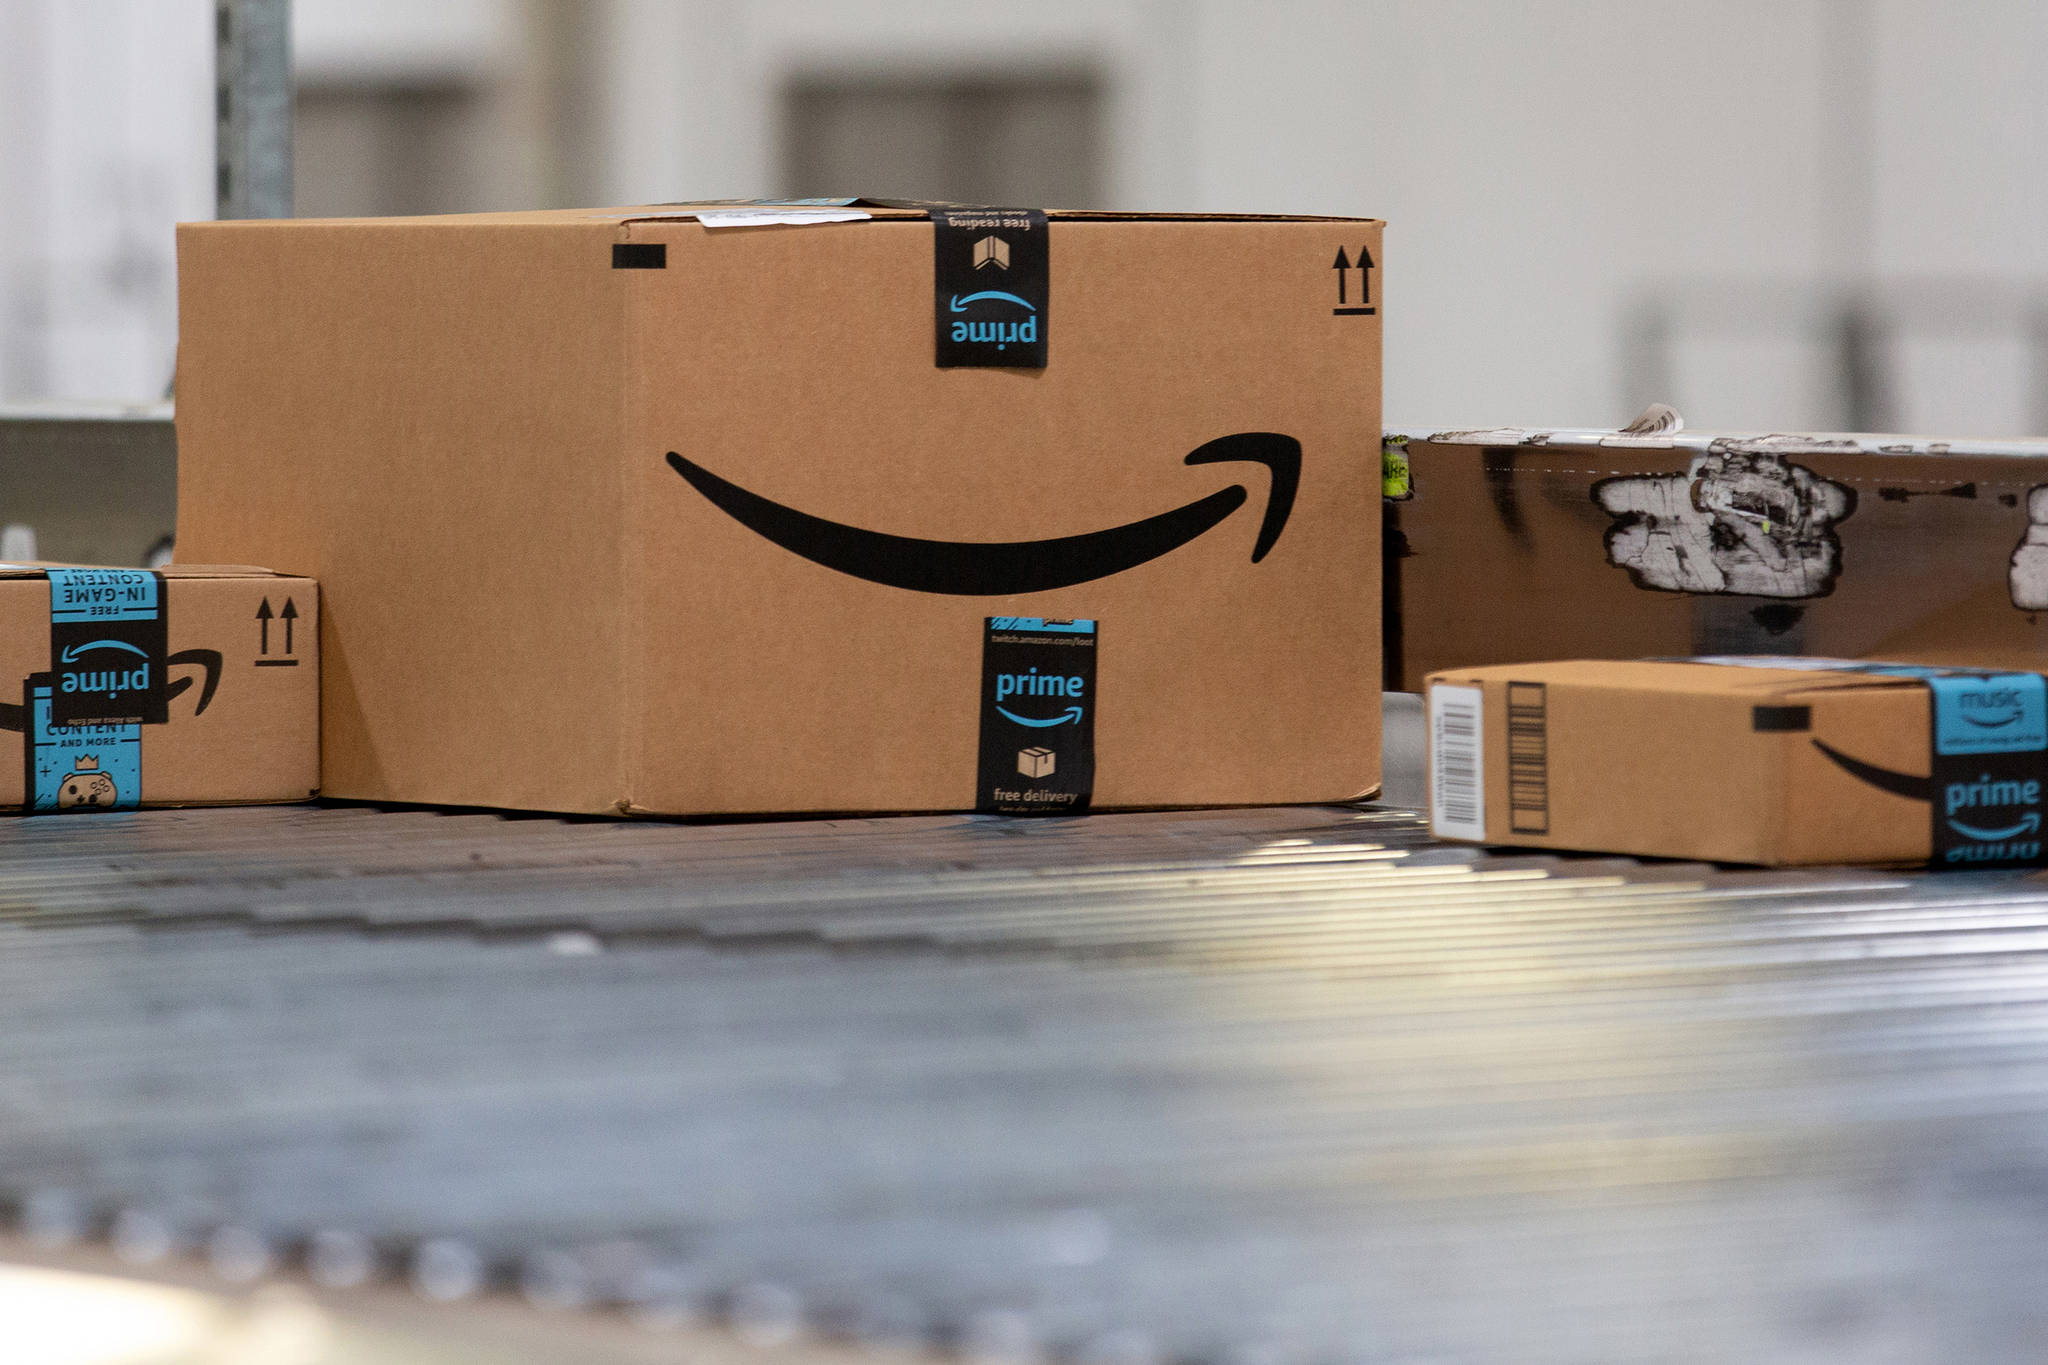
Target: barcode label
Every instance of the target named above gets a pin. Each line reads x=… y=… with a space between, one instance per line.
x=1457 y=785
x=1528 y=758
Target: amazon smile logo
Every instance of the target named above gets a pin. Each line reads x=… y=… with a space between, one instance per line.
x=1032 y=683
x=997 y=333
x=958 y=303
x=110 y=683
x=969 y=568
x=2004 y=823
x=73 y=653
x=1992 y=709
x=1071 y=716
x=2027 y=825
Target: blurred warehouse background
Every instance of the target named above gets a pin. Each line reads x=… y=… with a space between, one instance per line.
x=1772 y=213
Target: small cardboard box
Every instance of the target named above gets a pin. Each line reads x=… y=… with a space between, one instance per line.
x=614 y=511
x=184 y=686
x=1521 y=545
x=1743 y=760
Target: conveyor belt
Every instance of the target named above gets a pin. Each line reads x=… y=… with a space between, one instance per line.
x=1288 y=1085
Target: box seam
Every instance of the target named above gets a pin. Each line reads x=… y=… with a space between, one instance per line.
x=627 y=750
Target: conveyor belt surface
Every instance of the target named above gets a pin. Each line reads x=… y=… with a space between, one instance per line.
x=1282 y=1085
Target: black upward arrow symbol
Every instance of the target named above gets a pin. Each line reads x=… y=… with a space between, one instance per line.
x=1342 y=266
x=263 y=622
x=1364 y=273
x=288 y=615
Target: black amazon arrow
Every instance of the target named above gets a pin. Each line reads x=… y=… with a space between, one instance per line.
x=14 y=719
x=1003 y=568
x=1884 y=779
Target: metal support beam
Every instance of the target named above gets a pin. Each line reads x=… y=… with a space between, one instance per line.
x=253 y=108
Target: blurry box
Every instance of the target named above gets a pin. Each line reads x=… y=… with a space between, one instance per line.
x=1743 y=760
x=646 y=510
x=183 y=686
x=1517 y=545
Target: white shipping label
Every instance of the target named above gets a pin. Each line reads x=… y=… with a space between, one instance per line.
x=1457 y=768
x=729 y=218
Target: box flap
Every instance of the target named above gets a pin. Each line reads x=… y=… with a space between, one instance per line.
x=878 y=209
x=37 y=567
x=1710 y=442
x=1696 y=677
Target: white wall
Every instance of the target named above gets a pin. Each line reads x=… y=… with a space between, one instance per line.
x=1536 y=163
x=1547 y=167
x=106 y=140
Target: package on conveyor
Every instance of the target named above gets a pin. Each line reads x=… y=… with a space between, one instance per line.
x=852 y=507
x=1527 y=544
x=181 y=686
x=1744 y=759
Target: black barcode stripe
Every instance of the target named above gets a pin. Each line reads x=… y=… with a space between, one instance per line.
x=1456 y=777
x=1528 y=758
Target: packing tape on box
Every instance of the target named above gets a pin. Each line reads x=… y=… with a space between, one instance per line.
x=73 y=767
x=83 y=719
x=992 y=287
x=108 y=637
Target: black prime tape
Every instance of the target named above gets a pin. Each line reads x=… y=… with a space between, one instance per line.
x=992 y=277
x=1037 y=716
x=109 y=630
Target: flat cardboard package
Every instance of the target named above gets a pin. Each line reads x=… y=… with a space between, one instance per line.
x=1743 y=760
x=1522 y=545
x=190 y=685
x=614 y=511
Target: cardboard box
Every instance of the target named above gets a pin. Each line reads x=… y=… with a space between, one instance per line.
x=617 y=512
x=189 y=685
x=1749 y=760
x=1522 y=545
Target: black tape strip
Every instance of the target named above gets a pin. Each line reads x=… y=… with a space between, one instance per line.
x=1037 y=716
x=639 y=255
x=992 y=287
x=1780 y=720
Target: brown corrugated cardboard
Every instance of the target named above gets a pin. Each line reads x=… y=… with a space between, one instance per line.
x=464 y=427
x=1748 y=761
x=218 y=705
x=1521 y=545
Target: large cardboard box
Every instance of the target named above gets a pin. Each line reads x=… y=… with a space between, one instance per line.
x=615 y=511
x=1745 y=760
x=1522 y=545
x=191 y=685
